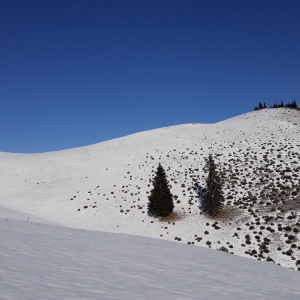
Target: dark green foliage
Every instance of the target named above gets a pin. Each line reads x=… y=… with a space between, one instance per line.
x=293 y=104
x=160 y=199
x=213 y=201
x=260 y=106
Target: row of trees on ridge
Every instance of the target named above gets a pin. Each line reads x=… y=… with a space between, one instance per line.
x=211 y=198
x=260 y=105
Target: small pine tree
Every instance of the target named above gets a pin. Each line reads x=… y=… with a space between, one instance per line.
x=294 y=104
x=260 y=106
x=160 y=199
x=213 y=201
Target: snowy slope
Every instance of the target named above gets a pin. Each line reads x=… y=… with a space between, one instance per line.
x=49 y=262
x=104 y=187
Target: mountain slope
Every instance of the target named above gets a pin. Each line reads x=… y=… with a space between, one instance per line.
x=105 y=186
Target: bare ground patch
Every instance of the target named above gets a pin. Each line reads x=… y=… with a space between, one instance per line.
x=174 y=216
x=227 y=214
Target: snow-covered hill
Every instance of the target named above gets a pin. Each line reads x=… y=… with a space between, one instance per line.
x=104 y=187
x=50 y=262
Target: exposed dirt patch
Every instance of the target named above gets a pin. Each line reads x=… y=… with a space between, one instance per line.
x=174 y=216
x=227 y=214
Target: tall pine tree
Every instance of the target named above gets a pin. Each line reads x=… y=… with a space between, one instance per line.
x=213 y=202
x=160 y=199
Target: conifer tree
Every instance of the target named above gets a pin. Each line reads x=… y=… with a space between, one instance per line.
x=160 y=199
x=213 y=201
x=294 y=104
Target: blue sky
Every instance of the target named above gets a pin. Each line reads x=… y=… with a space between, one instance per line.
x=74 y=73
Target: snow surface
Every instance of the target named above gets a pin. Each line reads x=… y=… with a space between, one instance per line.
x=50 y=262
x=104 y=187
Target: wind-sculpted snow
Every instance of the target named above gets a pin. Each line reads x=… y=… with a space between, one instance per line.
x=40 y=261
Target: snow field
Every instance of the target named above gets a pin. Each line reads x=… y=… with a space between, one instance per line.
x=40 y=261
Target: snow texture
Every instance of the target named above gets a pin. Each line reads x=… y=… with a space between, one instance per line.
x=49 y=262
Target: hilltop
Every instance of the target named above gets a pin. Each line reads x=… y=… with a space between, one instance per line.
x=104 y=187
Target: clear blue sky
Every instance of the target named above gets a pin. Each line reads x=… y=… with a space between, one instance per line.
x=74 y=73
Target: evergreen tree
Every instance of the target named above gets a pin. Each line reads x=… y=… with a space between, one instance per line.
x=213 y=201
x=160 y=199
x=260 y=106
x=294 y=104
